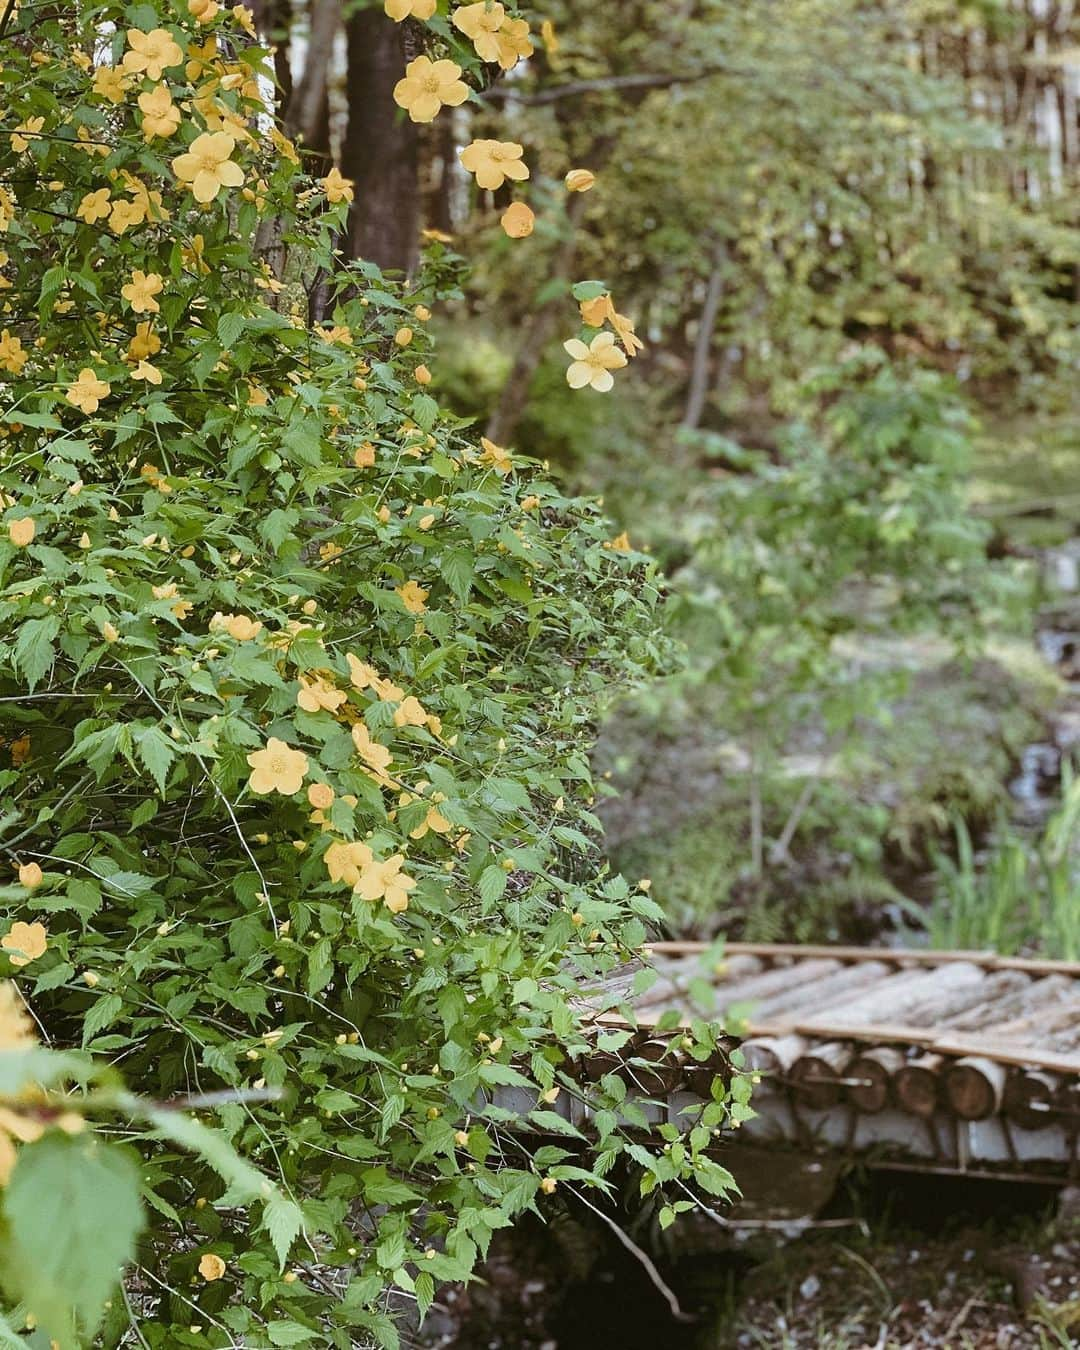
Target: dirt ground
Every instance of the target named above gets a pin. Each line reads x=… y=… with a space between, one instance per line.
x=900 y=1263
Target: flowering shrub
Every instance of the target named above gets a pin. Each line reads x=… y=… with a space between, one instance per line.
x=296 y=688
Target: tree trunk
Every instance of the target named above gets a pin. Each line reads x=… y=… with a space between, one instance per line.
x=307 y=115
x=698 y=388
x=381 y=150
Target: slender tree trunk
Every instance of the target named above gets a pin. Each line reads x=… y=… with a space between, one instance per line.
x=307 y=115
x=536 y=332
x=381 y=150
x=698 y=388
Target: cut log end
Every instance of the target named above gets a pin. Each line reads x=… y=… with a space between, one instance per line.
x=975 y=1087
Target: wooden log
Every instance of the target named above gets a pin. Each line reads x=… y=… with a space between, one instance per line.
x=870 y=1076
x=845 y=982
x=1009 y=1052
x=917 y=1085
x=675 y=978
x=776 y=979
x=772 y=1056
x=925 y=991
x=976 y=1003
x=1031 y=1099
x=663 y=1075
x=974 y=1087
x=815 y=1076
x=1027 y=998
x=772 y=951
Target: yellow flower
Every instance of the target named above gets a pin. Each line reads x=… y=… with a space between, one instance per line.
x=211 y=1267
x=145 y=343
x=413 y=597
x=203 y=11
x=277 y=768
x=125 y=214
x=245 y=19
x=480 y=23
x=94 y=206
x=109 y=631
x=30 y=876
x=406 y=9
x=579 y=180
x=621 y=543
x=145 y=371
x=318 y=695
x=428 y=86
x=517 y=221
x=493 y=162
x=161 y=116
x=632 y=344
x=109 y=83
x=321 y=796
x=21 y=532
x=206 y=167
x=410 y=713
x=495 y=456
x=16 y=1029
x=344 y=862
x=284 y=146
x=140 y=291
x=151 y=53
x=386 y=881
x=337 y=188
x=434 y=821
x=592 y=365
x=513 y=42
x=238 y=626
x=26 y=132
x=7 y=209
x=374 y=755
x=192 y=255
x=549 y=37
x=29 y=940
x=12 y=355
x=87 y=391
x=597 y=311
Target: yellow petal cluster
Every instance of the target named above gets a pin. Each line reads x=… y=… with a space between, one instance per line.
x=206 y=167
x=277 y=768
x=592 y=365
x=429 y=86
x=493 y=162
x=151 y=54
x=25 y=942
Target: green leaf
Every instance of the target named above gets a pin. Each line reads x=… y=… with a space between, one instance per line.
x=157 y=752
x=245 y=1182
x=283 y=1220
x=289 y=1333
x=492 y=884
x=458 y=567
x=34 y=647
x=425 y=1293
x=229 y=328
x=106 y=1010
x=73 y=1212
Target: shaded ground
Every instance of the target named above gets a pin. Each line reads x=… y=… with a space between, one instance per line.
x=941 y=1263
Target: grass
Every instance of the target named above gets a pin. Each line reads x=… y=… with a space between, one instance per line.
x=1025 y=896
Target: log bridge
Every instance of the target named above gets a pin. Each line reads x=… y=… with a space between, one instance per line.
x=951 y=1061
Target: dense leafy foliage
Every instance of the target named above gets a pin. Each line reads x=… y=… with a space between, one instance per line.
x=297 y=683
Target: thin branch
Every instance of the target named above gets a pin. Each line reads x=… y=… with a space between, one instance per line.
x=645 y=1260
x=603 y=85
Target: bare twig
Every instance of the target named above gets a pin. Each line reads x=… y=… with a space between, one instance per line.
x=643 y=1257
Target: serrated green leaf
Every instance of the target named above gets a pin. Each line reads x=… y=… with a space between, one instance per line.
x=73 y=1212
x=34 y=652
x=283 y=1220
